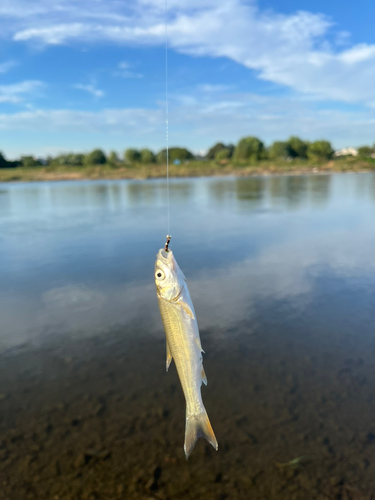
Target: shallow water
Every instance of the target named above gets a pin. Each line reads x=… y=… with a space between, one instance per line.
x=282 y=274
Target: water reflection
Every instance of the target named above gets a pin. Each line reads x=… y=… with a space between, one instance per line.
x=296 y=191
x=251 y=189
x=77 y=257
x=221 y=191
x=288 y=192
x=319 y=187
x=139 y=194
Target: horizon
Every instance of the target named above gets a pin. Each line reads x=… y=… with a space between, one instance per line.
x=78 y=77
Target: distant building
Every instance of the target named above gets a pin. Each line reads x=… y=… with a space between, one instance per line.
x=346 y=152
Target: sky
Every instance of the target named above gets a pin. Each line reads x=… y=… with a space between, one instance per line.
x=80 y=74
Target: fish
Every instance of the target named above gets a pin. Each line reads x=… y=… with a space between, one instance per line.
x=183 y=345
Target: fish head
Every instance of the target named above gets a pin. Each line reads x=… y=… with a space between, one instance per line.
x=169 y=278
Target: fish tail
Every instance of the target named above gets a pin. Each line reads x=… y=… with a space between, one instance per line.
x=198 y=426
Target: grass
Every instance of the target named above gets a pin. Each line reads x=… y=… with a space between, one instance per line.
x=190 y=169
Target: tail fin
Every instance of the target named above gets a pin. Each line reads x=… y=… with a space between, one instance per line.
x=197 y=426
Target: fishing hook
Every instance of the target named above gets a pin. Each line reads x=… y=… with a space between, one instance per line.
x=166 y=248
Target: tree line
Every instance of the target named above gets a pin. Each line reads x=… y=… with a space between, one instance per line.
x=248 y=150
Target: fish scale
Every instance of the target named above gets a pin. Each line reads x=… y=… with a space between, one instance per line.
x=182 y=347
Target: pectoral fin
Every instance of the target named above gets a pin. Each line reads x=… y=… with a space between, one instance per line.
x=169 y=356
x=204 y=378
x=186 y=308
x=198 y=342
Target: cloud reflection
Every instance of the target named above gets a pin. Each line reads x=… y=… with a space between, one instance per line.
x=288 y=272
x=297 y=236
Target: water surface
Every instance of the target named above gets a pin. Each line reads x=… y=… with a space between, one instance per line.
x=77 y=257
x=281 y=270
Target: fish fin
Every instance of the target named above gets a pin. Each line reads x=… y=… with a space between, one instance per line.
x=198 y=342
x=169 y=356
x=198 y=426
x=204 y=377
x=186 y=308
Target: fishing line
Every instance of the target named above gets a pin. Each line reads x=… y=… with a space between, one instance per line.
x=167 y=119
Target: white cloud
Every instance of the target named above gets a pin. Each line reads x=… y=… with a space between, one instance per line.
x=290 y=50
x=108 y=120
x=54 y=35
x=125 y=70
x=124 y=65
x=91 y=89
x=6 y=66
x=197 y=123
x=207 y=87
x=17 y=92
x=359 y=53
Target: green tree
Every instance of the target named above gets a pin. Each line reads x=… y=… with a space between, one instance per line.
x=223 y=154
x=69 y=159
x=279 y=151
x=76 y=159
x=365 y=151
x=3 y=162
x=113 y=160
x=175 y=154
x=180 y=154
x=132 y=155
x=212 y=152
x=29 y=161
x=147 y=156
x=297 y=147
x=96 y=157
x=249 y=148
x=161 y=157
x=320 y=150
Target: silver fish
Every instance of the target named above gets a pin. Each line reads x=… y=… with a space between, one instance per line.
x=183 y=345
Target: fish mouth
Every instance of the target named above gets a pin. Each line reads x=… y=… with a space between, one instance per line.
x=163 y=255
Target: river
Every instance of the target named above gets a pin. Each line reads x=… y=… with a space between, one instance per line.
x=281 y=270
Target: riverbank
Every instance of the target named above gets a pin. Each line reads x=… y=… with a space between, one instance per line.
x=191 y=169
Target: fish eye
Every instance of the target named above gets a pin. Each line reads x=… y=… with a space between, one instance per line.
x=159 y=275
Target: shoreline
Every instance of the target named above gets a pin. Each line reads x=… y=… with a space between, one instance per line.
x=193 y=169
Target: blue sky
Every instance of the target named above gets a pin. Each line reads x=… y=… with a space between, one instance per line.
x=75 y=75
